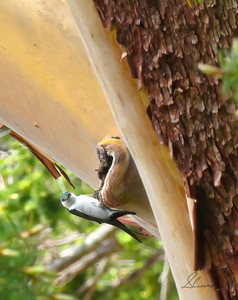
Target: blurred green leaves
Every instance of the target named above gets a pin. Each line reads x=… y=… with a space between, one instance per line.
x=229 y=64
x=20 y=275
x=228 y=71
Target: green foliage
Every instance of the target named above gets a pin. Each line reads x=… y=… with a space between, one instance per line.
x=229 y=64
x=192 y=2
x=31 y=214
x=197 y=2
x=228 y=71
x=18 y=278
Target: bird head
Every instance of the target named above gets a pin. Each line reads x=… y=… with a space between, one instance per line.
x=67 y=199
x=65 y=196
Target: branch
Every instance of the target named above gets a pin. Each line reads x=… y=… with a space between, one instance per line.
x=83 y=264
x=92 y=283
x=76 y=252
x=50 y=243
x=164 y=279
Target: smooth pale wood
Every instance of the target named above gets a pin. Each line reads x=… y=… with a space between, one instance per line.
x=48 y=91
x=159 y=174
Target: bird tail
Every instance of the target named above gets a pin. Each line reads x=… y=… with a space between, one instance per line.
x=119 y=225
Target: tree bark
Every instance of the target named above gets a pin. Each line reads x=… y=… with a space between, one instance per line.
x=164 y=41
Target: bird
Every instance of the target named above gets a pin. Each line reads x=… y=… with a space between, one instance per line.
x=91 y=209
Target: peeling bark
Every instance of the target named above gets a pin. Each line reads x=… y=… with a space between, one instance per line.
x=165 y=40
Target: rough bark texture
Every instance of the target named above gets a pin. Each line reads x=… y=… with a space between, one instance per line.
x=165 y=40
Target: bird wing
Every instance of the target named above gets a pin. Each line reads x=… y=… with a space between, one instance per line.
x=121 y=226
x=113 y=222
x=80 y=214
x=116 y=213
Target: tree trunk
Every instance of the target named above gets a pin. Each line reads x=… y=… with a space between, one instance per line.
x=164 y=42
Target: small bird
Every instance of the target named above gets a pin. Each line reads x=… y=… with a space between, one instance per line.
x=91 y=209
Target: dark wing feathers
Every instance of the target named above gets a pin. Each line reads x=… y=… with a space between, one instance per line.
x=83 y=215
x=121 y=226
x=116 y=213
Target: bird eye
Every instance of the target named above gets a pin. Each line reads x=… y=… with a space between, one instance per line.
x=65 y=196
